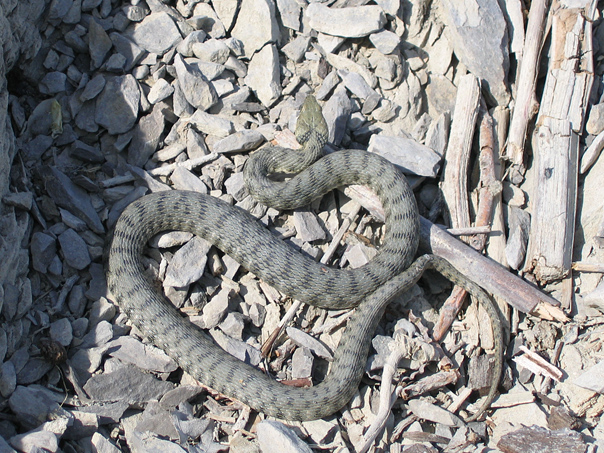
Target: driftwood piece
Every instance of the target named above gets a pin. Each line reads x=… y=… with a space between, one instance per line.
x=454 y=184
x=490 y=275
x=559 y=124
x=490 y=187
x=525 y=105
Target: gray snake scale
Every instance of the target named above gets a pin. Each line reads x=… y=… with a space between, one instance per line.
x=237 y=233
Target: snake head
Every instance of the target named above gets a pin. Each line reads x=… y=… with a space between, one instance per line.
x=311 y=121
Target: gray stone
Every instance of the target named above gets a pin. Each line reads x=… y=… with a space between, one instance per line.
x=245 y=140
x=58 y=9
x=160 y=91
x=127 y=383
x=183 y=179
x=595 y=122
x=212 y=50
x=35 y=149
x=351 y=22
x=188 y=263
x=185 y=48
x=33 y=371
x=86 y=153
x=337 y=112
x=93 y=88
x=302 y=363
x=53 y=83
x=71 y=197
x=179 y=395
x=233 y=325
x=226 y=11
x=412 y=157
x=35 y=441
x=8 y=379
x=147 y=357
x=237 y=348
x=157 y=33
x=206 y=19
x=126 y=48
x=61 y=331
x=211 y=124
x=263 y=75
x=99 y=43
x=146 y=135
x=304 y=340
x=31 y=406
x=100 y=334
x=75 y=250
x=275 y=437
x=43 y=249
x=235 y=186
x=307 y=226
x=289 y=12
x=215 y=310
x=478 y=34
x=256 y=25
x=385 y=41
x=101 y=444
x=117 y=105
x=296 y=49
x=196 y=88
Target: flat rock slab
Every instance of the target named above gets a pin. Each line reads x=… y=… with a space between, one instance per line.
x=126 y=384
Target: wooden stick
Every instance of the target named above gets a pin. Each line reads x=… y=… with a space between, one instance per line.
x=490 y=275
x=455 y=171
x=560 y=122
x=525 y=104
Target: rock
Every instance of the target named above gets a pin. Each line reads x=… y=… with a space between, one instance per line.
x=157 y=33
x=69 y=196
x=128 y=384
x=61 y=331
x=411 y=156
x=350 y=22
x=198 y=91
x=99 y=43
x=147 y=357
x=117 y=106
x=75 y=250
x=244 y=140
x=35 y=441
x=478 y=35
x=43 y=250
x=304 y=340
x=146 y=135
x=263 y=75
x=102 y=445
x=275 y=437
x=188 y=263
x=256 y=25
x=595 y=121
x=307 y=226
x=385 y=41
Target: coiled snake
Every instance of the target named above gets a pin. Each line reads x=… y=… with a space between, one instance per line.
x=232 y=230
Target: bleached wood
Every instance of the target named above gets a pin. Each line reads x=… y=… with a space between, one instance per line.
x=525 y=104
x=454 y=183
x=560 y=121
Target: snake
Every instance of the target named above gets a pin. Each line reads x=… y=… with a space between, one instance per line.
x=368 y=289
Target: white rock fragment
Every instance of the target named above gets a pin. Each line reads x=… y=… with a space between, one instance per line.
x=385 y=41
x=157 y=33
x=478 y=35
x=263 y=75
x=351 y=22
x=196 y=88
x=211 y=124
x=411 y=156
x=256 y=25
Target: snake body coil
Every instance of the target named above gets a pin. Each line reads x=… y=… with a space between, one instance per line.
x=238 y=234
